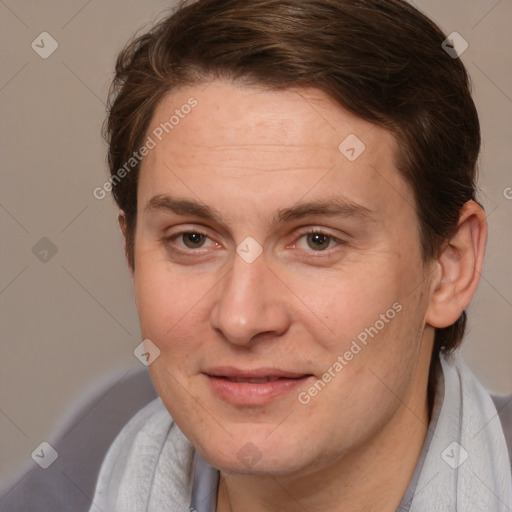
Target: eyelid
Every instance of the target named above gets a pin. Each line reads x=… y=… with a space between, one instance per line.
x=319 y=230
x=324 y=232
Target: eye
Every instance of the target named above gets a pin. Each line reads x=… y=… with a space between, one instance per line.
x=314 y=240
x=190 y=240
x=196 y=240
x=319 y=241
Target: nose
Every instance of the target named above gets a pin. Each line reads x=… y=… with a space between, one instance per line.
x=250 y=303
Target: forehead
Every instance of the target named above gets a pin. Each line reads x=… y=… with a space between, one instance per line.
x=256 y=144
x=255 y=116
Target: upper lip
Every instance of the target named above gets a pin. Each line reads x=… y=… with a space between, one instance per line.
x=253 y=373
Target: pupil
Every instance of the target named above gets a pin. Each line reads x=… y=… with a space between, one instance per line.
x=194 y=238
x=319 y=240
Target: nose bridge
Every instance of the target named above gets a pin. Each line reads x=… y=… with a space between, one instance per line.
x=246 y=304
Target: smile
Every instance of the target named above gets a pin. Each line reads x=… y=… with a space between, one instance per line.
x=252 y=388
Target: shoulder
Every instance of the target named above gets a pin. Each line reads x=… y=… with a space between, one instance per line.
x=151 y=419
x=145 y=435
x=150 y=461
x=487 y=406
x=503 y=405
x=81 y=438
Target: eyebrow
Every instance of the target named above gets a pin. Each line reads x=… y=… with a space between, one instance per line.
x=334 y=206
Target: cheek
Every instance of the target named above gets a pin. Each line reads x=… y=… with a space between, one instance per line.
x=368 y=333
x=170 y=305
x=381 y=355
x=346 y=305
x=365 y=378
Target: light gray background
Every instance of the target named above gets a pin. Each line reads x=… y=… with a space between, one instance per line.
x=70 y=322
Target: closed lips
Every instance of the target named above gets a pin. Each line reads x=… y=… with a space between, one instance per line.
x=255 y=376
x=253 y=380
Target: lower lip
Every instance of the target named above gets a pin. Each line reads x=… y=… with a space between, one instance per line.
x=249 y=393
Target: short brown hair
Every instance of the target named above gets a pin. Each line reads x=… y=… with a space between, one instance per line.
x=380 y=59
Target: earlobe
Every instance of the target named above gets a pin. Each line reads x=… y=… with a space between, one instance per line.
x=460 y=262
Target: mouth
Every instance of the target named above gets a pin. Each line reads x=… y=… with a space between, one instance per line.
x=254 y=387
x=247 y=379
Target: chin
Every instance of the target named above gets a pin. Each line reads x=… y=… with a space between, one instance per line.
x=254 y=455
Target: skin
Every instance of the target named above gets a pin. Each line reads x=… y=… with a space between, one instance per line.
x=248 y=153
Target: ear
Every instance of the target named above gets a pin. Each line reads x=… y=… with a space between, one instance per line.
x=121 y=219
x=460 y=266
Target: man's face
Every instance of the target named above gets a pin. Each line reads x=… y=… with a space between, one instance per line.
x=328 y=318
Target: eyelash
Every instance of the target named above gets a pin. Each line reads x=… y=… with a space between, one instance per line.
x=310 y=231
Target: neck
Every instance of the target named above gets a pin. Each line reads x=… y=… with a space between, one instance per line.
x=372 y=477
